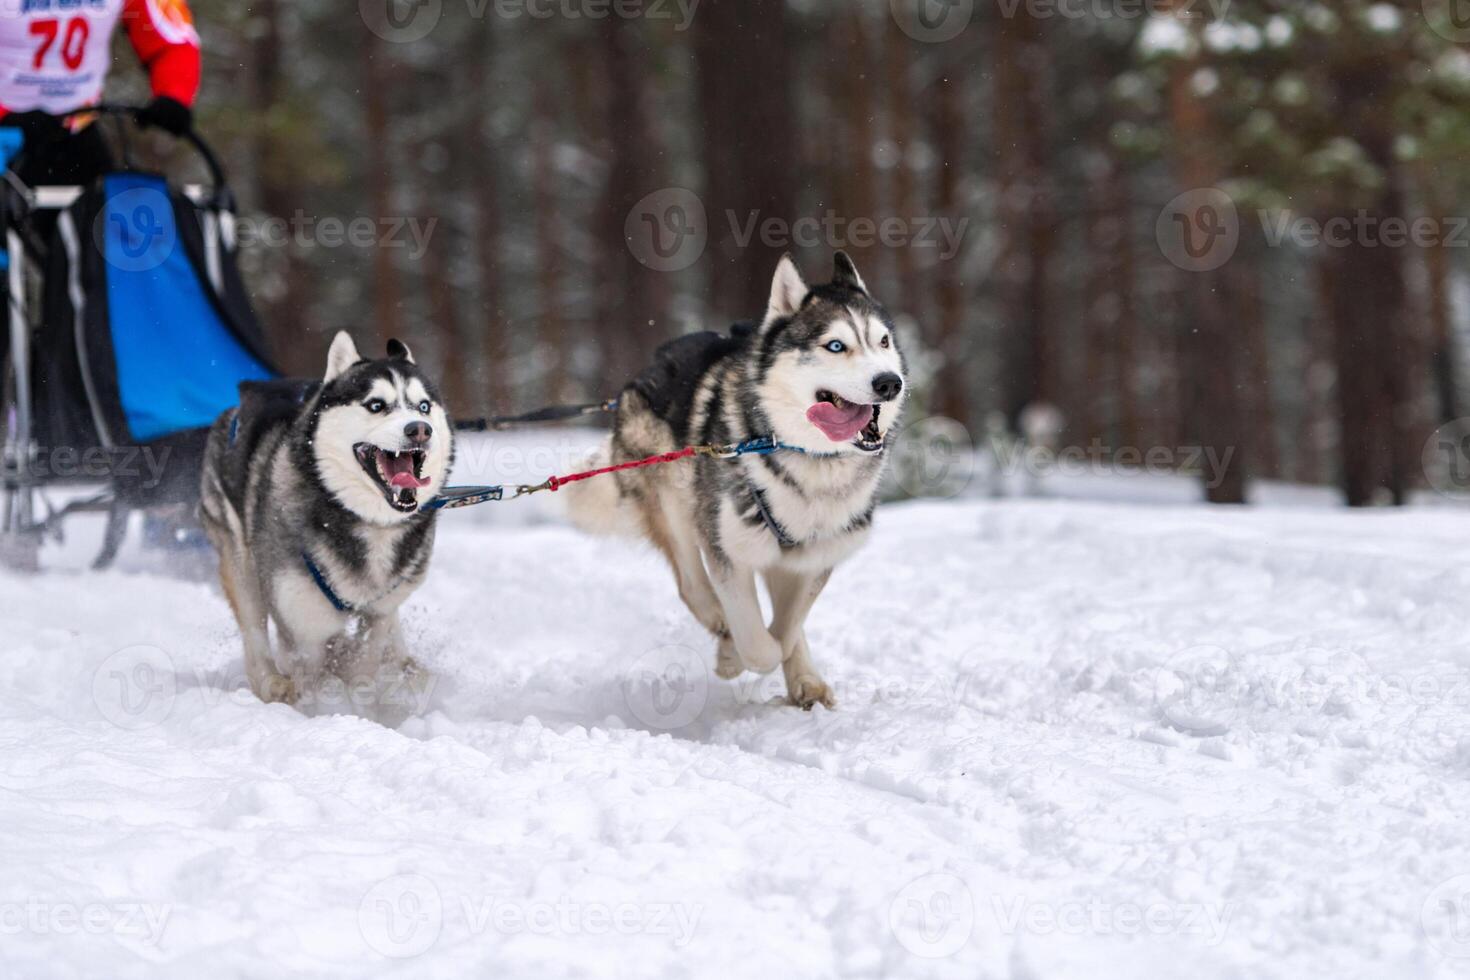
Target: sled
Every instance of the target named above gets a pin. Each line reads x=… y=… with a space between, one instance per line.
x=129 y=330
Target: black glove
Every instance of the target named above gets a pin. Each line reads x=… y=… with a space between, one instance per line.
x=39 y=127
x=169 y=115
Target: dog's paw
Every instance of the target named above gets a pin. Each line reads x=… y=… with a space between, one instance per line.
x=276 y=689
x=809 y=690
x=727 y=661
x=764 y=655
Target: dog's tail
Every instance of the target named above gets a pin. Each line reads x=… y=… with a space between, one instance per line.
x=596 y=505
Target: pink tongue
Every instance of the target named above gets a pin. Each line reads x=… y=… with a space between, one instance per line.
x=400 y=470
x=839 y=424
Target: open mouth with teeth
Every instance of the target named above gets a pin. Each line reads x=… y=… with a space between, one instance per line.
x=399 y=475
x=843 y=421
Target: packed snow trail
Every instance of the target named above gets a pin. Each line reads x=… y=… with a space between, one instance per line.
x=1072 y=740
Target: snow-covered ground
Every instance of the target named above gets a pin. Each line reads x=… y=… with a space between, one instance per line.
x=1074 y=739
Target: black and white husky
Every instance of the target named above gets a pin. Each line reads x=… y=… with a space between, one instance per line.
x=313 y=496
x=822 y=373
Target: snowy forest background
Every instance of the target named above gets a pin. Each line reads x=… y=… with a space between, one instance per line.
x=1052 y=138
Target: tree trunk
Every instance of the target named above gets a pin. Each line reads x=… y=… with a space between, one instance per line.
x=743 y=53
x=377 y=84
x=636 y=298
x=1027 y=223
x=495 y=390
x=1367 y=300
x=953 y=379
x=1215 y=410
x=283 y=316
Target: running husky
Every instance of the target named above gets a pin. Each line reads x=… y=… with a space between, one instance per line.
x=312 y=495
x=822 y=373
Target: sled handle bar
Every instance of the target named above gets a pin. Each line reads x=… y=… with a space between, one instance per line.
x=192 y=137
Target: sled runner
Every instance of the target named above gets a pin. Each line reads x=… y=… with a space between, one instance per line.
x=129 y=330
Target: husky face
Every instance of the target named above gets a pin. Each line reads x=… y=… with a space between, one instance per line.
x=382 y=442
x=829 y=373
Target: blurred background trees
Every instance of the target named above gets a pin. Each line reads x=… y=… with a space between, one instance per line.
x=1054 y=134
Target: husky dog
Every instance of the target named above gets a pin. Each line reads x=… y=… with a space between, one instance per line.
x=313 y=496
x=822 y=373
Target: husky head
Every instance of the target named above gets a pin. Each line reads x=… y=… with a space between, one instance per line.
x=382 y=442
x=830 y=375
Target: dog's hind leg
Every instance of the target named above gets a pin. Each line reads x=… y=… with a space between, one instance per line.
x=242 y=589
x=683 y=556
x=758 y=650
x=792 y=596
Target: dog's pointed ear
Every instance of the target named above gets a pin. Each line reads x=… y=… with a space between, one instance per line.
x=342 y=355
x=788 y=289
x=398 y=351
x=844 y=273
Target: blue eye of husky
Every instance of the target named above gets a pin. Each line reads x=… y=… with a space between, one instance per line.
x=376 y=406
x=836 y=346
x=424 y=407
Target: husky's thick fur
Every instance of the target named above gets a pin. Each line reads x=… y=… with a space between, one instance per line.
x=312 y=494
x=821 y=372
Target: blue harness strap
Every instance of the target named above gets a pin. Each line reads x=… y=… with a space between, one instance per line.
x=317 y=576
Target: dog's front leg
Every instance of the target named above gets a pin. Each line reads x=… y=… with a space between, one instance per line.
x=735 y=587
x=792 y=596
